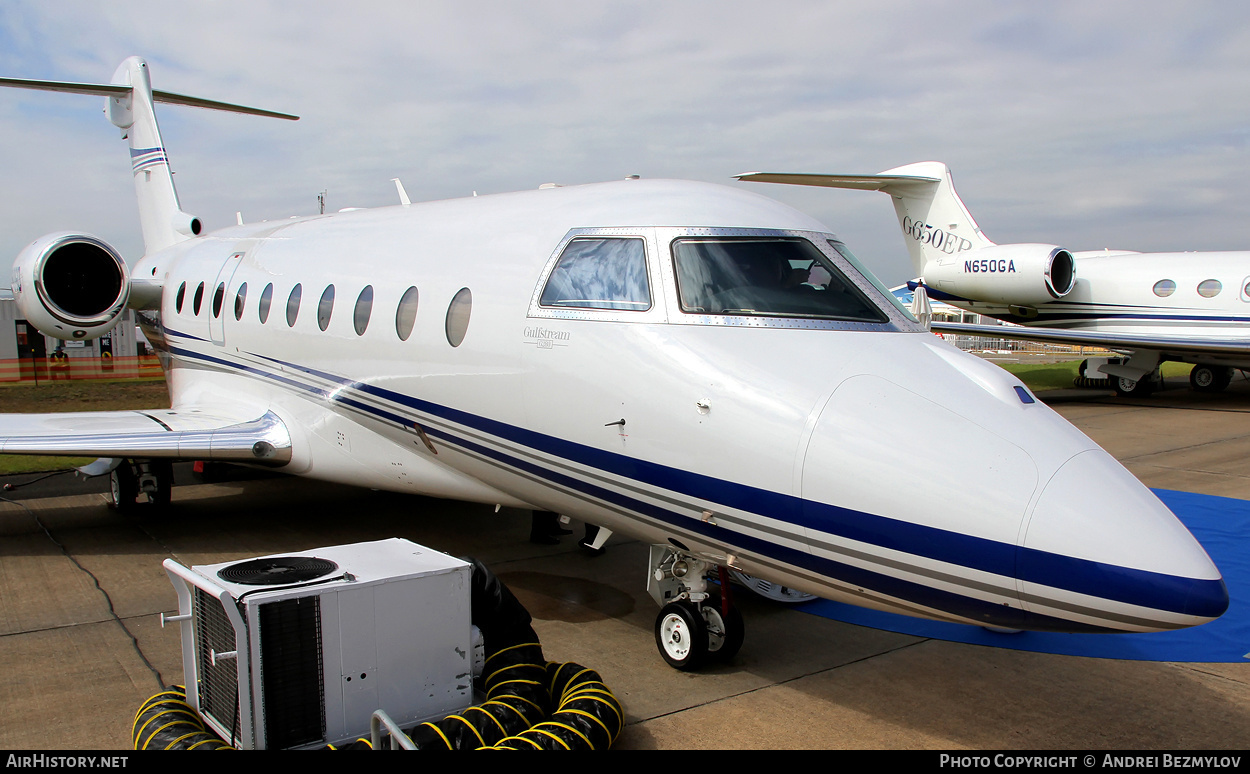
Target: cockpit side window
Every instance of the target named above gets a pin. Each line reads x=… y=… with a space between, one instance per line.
x=770 y=277
x=846 y=253
x=600 y=273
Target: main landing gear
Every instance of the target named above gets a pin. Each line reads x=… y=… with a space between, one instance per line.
x=1209 y=378
x=695 y=626
x=1137 y=388
x=150 y=481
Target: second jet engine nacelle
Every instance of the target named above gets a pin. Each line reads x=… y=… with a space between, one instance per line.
x=71 y=286
x=1023 y=275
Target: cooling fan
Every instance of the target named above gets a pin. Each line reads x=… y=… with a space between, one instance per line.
x=277 y=570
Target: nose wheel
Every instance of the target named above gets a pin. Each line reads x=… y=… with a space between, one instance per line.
x=694 y=626
x=681 y=635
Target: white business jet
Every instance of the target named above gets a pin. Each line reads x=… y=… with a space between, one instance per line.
x=1155 y=307
x=694 y=365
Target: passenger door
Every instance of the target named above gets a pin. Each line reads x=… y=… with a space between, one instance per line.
x=218 y=299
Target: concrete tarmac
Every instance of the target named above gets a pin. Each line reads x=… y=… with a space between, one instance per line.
x=81 y=590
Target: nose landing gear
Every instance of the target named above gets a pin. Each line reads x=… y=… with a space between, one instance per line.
x=694 y=626
x=681 y=635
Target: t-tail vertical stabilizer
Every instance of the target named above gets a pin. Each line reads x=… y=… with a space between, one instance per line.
x=951 y=256
x=936 y=225
x=129 y=104
x=160 y=216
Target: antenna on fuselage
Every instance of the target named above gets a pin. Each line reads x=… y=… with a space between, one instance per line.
x=321 y=201
x=403 y=195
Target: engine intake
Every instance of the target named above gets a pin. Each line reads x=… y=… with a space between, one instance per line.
x=1023 y=275
x=71 y=286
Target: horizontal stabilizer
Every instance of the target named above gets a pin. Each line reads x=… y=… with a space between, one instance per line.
x=883 y=182
x=117 y=90
x=155 y=434
x=934 y=221
x=1110 y=340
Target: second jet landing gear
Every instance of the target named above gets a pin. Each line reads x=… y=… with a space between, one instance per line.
x=695 y=625
x=1210 y=378
x=135 y=480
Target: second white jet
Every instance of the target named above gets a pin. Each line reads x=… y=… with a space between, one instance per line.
x=1155 y=307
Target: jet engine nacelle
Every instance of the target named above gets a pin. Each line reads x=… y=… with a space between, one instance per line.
x=1017 y=275
x=71 y=286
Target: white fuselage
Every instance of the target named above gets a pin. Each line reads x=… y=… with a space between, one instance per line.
x=765 y=443
x=1115 y=293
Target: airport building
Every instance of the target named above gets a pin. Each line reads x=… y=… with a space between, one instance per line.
x=28 y=355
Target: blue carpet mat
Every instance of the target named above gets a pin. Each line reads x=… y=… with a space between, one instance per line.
x=1221 y=524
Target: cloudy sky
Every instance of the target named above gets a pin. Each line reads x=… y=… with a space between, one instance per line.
x=1089 y=125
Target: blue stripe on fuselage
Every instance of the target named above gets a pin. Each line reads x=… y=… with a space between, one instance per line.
x=1188 y=596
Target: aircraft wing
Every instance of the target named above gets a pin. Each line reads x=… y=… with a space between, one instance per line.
x=1110 y=340
x=160 y=433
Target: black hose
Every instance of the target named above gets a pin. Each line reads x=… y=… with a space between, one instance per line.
x=587 y=716
x=167 y=722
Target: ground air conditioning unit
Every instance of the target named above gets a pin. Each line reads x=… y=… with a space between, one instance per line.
x=299 y=650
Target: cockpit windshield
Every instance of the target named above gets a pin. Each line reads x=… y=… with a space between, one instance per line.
x=772 y=277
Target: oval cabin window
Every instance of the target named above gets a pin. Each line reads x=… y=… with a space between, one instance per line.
x=325 y=308
x=1164 y=288
x=1209 y=288
x=292 y=305
x=406 y=314
x=240 y=300
x=266 y=300
x=364 y=307
x=458 y=316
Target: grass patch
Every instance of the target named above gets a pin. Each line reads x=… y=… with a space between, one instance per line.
x=22 y=463
x=84 y=395
x=1056 y=376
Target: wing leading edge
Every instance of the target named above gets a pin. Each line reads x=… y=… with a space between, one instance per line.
x=1117 y=341
x=156 y=434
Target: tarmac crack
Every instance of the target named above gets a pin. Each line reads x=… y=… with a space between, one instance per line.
x=108 y=599
x=1148 y=455
x=787 y=681
x=1217 y=675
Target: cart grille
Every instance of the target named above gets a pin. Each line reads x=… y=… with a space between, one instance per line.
x=219 y=683
x=291 y=672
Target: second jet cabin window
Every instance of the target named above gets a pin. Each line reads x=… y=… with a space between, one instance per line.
x=600 y=274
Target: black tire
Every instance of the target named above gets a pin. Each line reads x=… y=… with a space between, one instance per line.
x=1208 y=378
x=681 y=636
x=123 y=488
x=724 y=633
x=164 y=472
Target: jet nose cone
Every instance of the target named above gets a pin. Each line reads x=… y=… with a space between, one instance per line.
x=1100 y=551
